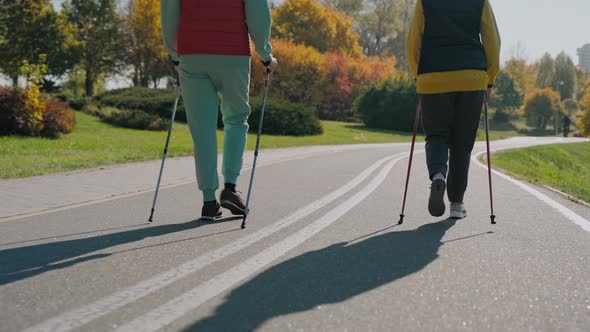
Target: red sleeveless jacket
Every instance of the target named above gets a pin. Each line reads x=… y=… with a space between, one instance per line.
x=213 y=27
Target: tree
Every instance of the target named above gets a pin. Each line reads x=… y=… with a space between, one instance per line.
x=522 y=74
x=320 y=26
x=541 y=106
x=584 y=121
x=98 y=28
x=31 y=30
x=144 y=43
x=582 y=79
x=565 y=75
x=546 y=72
x=378 y=25
x=506 y=93
x=349 y=7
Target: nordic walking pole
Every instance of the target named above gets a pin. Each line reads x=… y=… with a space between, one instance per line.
x=487 y=124
x=418 y=109
x=178 y=90
x=247 y=211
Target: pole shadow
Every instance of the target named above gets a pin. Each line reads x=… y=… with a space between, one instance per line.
x=326 y=276
x=26 y=262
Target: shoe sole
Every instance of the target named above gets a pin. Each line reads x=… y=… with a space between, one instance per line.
x=458 y=215
x=233 y=208
x=436 y=203
x=207 y=218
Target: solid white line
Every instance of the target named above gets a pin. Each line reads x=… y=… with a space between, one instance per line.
x=136 y=193
x=87 y=313
x=569 y=214
x=178 y=307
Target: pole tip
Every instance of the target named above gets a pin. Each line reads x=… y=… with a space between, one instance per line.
x=244 y=223
x=401 y=219
x=151 y=219
x=493 y=219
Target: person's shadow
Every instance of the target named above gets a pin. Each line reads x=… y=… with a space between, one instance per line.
x=329 y=275
x=25 y=262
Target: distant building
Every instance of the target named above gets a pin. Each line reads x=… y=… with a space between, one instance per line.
x=584 y=57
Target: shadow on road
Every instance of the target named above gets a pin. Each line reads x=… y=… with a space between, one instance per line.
x=329 y=275
x=25 y=262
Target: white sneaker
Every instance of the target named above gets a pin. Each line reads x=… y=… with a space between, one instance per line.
x=458 y=211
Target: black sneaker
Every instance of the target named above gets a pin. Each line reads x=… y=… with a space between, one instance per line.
x=210 y=211
x=436 y=203
x=233 y=202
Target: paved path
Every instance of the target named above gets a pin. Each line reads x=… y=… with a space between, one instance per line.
x=321 y=253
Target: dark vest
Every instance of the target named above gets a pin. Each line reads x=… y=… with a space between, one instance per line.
x=451 y=39
x=213 y=27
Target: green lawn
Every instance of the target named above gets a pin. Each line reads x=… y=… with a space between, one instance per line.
x=94 y=143
x=563 y=166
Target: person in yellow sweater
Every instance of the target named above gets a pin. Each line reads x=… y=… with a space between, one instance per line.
x=453 y=50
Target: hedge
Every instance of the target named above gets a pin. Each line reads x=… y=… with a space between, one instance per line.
x=390 y=104
x=284 y=118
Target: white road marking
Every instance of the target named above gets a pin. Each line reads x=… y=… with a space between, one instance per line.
x=178 y=307
x=137 y=193
x=87 y=313
x=569 y=214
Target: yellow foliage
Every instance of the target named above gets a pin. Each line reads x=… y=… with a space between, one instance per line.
x=584 y=120
x=146 y=51
x=541 y=105
x=298 y=76
x=522 y=74
x=313 y=24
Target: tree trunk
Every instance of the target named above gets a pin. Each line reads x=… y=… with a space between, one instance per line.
x=15 y=81
x=89 y=84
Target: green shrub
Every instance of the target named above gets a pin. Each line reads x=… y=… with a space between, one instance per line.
x=135 y=119
x=58 y=118
x=77 y=103
x=390 y=104
x=284 y=118
x=153 y=101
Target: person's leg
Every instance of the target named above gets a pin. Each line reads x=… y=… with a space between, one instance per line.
x=437 y=110
x=464 y=128
x=436 y=114
x=232 y=78
x=235 y=108
x=201 y=104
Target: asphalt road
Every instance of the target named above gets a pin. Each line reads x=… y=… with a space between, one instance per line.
x=322 y=252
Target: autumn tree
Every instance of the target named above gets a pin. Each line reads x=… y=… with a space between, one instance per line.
x=541 y=105
x=32 y=32
x=522 y=73
x=145 y=50
x=98 y=28
x=313 y=24
x=584 y=121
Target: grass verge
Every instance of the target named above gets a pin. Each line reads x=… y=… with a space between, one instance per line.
x=565 y=167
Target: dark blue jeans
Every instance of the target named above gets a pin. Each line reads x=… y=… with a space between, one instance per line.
x=450 y=122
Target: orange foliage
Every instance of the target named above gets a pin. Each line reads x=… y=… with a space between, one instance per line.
x=330 y=81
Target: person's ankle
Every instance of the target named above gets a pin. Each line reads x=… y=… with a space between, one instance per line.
x=438 y=176
x=231 y=187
